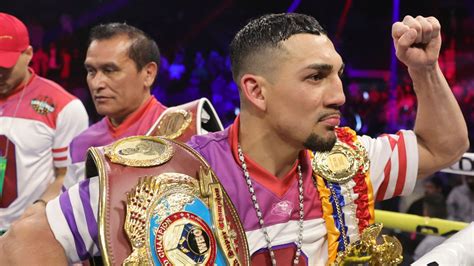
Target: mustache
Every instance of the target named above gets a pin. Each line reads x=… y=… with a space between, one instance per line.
x=327 y=114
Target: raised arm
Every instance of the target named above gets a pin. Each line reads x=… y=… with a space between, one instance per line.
x=440 y=127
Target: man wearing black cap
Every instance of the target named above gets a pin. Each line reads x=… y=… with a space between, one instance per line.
x=38 y=120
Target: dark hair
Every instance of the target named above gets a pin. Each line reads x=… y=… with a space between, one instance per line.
x=435 y=206
x=267 y=32
x=143 y=49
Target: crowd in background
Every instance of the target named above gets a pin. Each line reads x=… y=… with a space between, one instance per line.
x=187 y=72
x=371 y=107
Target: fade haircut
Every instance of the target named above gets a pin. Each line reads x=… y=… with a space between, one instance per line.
x=143 y=49
x=264 y=34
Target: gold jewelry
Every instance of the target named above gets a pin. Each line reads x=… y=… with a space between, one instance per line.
x=341 y=163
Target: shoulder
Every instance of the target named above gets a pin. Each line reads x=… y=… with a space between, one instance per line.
x=44 y=101
x=95 y=135
x=48 y=96
x=155 y=108
x=93 y=132
x=203 y=142
x=52 y=89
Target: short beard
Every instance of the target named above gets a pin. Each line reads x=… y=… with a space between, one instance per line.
x=316 y=143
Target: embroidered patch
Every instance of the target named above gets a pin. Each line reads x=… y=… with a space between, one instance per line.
x=43 y=105
x=282 y=208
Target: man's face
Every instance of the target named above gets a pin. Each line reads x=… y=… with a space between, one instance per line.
x=306 y=92
x=11 y=78
x=117 y=87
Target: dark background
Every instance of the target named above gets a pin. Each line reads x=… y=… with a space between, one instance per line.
x=361 y=31
x=194 y=30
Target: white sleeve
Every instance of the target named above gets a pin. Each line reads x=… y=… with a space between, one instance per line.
x=393 y=163
x=72 y=217
x=74 y=174
x=71 y=121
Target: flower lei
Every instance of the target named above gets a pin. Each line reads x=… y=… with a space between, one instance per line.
x=331 y=198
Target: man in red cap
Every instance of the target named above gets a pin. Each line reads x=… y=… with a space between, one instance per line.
x=38 y=120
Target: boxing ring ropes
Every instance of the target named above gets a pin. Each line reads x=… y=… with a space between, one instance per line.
x=427 y=225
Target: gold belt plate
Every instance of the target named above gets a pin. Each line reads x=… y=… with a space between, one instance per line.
x=140 y=151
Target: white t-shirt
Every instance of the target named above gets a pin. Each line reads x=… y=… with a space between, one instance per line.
x=37 y=124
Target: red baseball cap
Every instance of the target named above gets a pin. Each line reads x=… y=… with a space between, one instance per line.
x=13 y=40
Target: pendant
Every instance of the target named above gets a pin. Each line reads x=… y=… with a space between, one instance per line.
x=341 y=163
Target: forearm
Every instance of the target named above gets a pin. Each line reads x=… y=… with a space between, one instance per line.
x=30 y=241
x=440 y=126
x=54 y=189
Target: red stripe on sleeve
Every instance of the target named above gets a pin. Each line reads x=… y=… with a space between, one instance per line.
x=60 y=158
x=402 y=164
x=387 y=169
x=384 y=185
x=60 y=149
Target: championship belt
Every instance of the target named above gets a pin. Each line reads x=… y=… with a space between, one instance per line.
x=184 y=121
x=161 y=204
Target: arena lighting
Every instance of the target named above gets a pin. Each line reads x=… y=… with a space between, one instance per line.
x=393 y=58
x=393 y=67
x=91 y=16
x=208 y=19
x=294 y=5
x=358 y=126
x=342 y=21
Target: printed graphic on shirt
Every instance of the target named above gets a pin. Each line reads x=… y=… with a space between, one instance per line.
x=282 y=208
x=43 y=105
